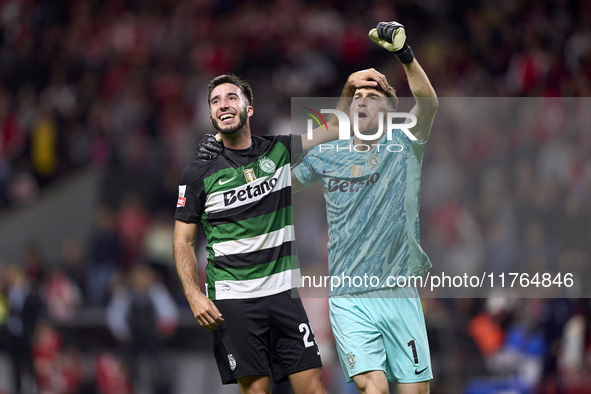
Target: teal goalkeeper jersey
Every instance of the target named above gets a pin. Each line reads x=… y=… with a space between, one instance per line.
x=372 y=206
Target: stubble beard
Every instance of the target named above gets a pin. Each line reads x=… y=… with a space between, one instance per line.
x=234 y=129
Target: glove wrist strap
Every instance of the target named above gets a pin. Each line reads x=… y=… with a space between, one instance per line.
x=405 y=54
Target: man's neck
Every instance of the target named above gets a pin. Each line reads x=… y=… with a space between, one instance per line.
x=239 y=140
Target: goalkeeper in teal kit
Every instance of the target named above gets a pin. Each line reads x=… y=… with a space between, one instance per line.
x=372 y=203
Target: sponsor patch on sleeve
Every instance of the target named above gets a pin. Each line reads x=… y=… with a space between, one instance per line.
x=182 y=199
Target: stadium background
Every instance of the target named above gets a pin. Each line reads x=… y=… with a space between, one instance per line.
x=101 y=106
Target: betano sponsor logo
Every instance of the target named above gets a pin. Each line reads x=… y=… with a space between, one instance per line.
x=345 y=129
x=335 y=184
x=250 y=192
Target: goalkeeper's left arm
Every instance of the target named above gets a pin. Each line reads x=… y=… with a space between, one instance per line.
x=392 y=36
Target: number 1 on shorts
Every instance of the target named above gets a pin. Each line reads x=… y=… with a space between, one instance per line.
x=414 y=351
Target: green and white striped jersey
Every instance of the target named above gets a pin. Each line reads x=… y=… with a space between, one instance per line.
x=242 y=199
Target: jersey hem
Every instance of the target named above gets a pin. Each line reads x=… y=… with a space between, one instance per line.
x=367 y=369
x=417 y=380
x=247 y=296
x=234 y=380
x=304 y=367
x=300 y=177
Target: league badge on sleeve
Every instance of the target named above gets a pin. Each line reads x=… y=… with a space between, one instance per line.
x=182 y=199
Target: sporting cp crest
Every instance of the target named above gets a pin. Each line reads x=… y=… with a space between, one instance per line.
x=373 y=161
x=232 y=361
x=351 y=359
x=266 y=164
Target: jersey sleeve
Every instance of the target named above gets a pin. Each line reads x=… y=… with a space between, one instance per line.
x=297 y=151
x=305 y=173
x=191 y=199
x=416 y=148
x=293 y=142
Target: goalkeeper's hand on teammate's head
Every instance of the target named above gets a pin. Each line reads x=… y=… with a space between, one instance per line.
x=392 y=36
x=209 y=147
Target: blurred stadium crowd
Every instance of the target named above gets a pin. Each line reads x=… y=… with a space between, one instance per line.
x=120 y=85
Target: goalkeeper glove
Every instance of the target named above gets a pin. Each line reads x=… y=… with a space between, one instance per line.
x=391 y=36
x=209 y=148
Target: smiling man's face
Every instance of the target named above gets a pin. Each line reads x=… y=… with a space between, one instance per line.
x=368 y=103
x=228 y=109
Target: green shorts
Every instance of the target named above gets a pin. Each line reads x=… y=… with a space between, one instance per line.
x=382 y=334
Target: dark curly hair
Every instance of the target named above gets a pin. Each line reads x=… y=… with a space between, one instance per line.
x=234 y=80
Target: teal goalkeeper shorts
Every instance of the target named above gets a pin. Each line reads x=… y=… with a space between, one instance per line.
x=382 y=334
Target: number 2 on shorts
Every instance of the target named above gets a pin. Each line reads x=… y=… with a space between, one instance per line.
x=306 y=328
